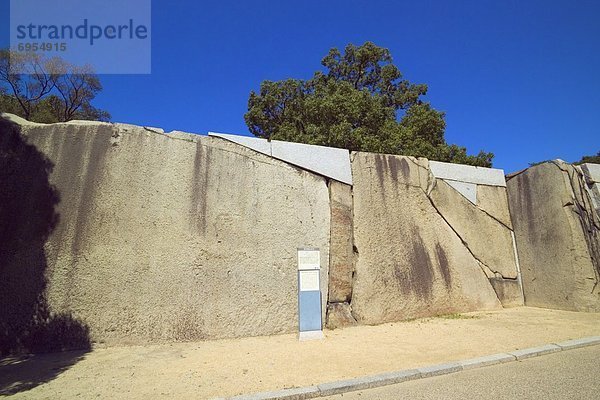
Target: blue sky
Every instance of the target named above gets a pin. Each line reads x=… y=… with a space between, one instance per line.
x=518 y=78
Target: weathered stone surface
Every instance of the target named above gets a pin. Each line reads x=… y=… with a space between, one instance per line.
x=410 y=262
x=341 y=261
x=339 y=315
x=160 y=238
x=508 y=291
x=592 y=172
x=488 y=240
x=494 y=201
x=557 y=234
x=408 y=171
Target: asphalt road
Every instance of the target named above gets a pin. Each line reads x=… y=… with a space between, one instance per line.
x=573 y=374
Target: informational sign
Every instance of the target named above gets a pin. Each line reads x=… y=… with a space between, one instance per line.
x=309 y=280
x=309 y=293
x=309 y=259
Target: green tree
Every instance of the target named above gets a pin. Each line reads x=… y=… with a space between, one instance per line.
x=47 y=90
x=361 y=102
x=590 y=159
x=585 y=159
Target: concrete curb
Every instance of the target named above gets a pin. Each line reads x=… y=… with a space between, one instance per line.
x=535 y=351
x=578 y=343
x=368 y=382
x=487 y=360
x=309 y=392
x=390 y=378
x=439 y=369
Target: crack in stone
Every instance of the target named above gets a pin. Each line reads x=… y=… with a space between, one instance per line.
x=328 y=183
x=508 y=177
x=355 y=255
x=271 y=160
x=589 y=224
x=494 y=218
x=467 y=246
x=431 y=186
x=152 y=130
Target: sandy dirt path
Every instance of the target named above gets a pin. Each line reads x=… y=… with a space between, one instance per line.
x=206 y=370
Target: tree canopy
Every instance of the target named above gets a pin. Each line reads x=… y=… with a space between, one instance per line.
x=584 y=160
x=47 y=90
x=590 y=159
x=360 y=102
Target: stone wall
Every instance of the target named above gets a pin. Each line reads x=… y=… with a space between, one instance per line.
x=421 y=245
x=558 y=235
x=483 y=225
x=158 y=238
x=463 y=210
x=138 y=236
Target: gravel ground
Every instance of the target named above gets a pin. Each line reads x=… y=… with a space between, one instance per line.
x=202 y=370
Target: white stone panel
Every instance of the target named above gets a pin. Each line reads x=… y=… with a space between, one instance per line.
x=327 y=161
x=468 y=173
x=468 y=190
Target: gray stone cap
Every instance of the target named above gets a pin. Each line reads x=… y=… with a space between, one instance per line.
x=468 y=173
x=331 y=162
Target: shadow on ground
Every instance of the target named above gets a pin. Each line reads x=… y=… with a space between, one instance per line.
x=20 y=373
x=27 y=218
